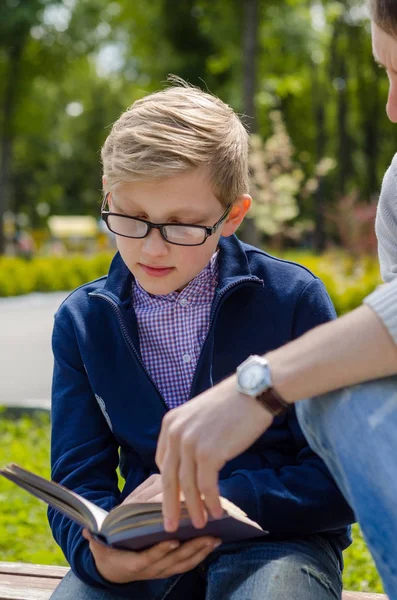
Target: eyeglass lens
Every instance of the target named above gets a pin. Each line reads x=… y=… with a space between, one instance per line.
x=176 y=234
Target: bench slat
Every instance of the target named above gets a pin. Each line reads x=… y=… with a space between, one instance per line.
x=362 y=596
x=33 y=570
x=23 y=593
x=34 y=588
x=46 y=583
x=21 y=581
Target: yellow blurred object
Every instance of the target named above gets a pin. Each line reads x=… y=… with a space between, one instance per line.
x=73 y=227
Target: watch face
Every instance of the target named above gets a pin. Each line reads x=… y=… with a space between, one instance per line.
x=251 y=377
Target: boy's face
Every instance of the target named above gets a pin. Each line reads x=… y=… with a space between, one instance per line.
x=384 y=48
x=161 y=267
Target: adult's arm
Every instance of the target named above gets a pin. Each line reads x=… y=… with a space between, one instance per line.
x=207 y=431
x=300 y=497
x=357 y=347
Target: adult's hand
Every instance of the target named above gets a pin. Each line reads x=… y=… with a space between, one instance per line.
x=196 y=440
x=158 y=562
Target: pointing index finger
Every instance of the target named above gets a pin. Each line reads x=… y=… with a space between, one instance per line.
x=171 y=496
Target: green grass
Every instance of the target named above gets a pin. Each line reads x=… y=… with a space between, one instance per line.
x=25 y=535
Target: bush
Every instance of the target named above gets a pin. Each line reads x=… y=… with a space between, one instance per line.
x=49 y=274
x=347 y=281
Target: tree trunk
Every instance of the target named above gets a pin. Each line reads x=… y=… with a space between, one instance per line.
x=6 y=140
x=250 y=51
x=344 y=151
x=319 y=119
x=339 y=75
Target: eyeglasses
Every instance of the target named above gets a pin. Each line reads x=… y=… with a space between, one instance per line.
x=174 y=233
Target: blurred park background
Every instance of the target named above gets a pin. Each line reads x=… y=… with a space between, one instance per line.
x=302 y=75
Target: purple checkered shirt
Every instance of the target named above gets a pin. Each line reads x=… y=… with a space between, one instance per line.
x=172 y=330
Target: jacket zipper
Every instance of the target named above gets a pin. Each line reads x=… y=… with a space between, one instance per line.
x=219 y=299
x=240 y=282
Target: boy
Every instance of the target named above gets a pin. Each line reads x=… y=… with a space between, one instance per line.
x=183 y=304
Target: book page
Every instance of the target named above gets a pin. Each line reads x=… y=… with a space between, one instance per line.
x=132 y=514
x=234 y=511
x=71 y=504
x=131 y=509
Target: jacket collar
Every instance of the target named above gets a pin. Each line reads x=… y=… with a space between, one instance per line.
x=233 y=262
x=233 y=267
x=119 y=279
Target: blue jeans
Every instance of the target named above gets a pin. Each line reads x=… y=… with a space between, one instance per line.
x=355 y=432
x=287 y=570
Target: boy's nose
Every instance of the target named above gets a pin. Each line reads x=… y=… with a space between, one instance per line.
x=154 y=244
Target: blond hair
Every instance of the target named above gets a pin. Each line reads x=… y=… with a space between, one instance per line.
x=174 y=130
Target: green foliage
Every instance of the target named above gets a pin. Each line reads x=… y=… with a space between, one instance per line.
x=311 y=55
x=360 y=573
x=49 y=274
x=277 y=180
x=24 y=532
x=347 y=280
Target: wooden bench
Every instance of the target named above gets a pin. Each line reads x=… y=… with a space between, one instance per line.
x=20 y=581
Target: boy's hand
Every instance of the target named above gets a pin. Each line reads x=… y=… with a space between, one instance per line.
x=150 y=490
x=160 y=561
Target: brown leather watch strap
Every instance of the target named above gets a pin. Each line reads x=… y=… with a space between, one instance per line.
x=272 y=402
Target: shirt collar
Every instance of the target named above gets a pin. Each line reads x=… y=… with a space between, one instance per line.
x=194 y=292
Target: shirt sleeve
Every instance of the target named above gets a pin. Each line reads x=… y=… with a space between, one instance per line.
x=384 y=302
x=386 y=224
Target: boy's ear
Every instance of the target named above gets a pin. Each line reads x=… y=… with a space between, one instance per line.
x=237 y=214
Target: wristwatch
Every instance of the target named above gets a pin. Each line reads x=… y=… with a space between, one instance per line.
x=254 y=379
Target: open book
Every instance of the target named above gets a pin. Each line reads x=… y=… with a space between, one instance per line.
x=133 y=526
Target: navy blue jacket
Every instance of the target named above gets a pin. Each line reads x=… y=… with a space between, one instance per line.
x=105 y=401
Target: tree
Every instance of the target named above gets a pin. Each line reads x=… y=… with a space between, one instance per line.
x=69 y=67
x=16 y=21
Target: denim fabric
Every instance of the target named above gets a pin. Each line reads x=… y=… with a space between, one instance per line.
x=355 y=432
x=286 y=570
x=189 y=586
x=298 y=569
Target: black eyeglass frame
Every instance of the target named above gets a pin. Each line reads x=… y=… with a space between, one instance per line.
x=105 y=214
